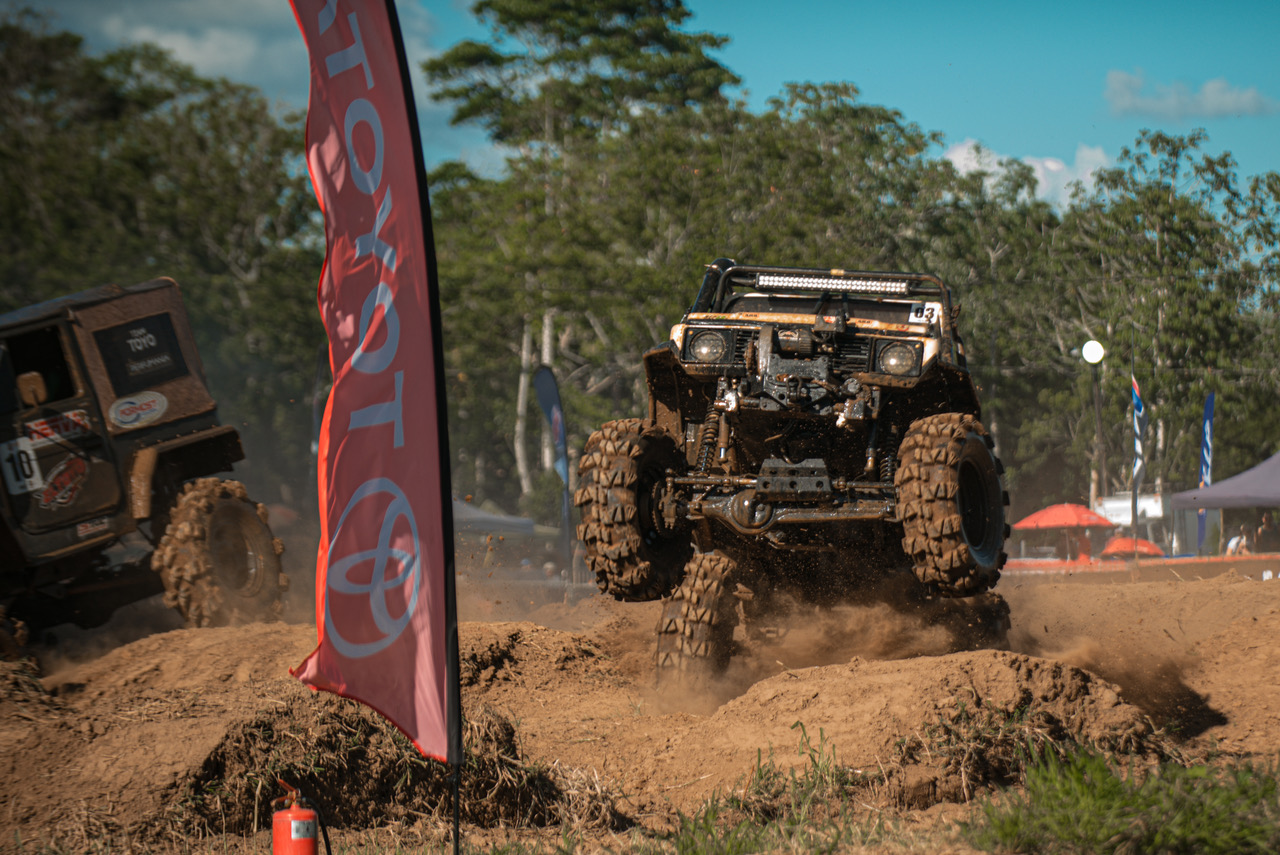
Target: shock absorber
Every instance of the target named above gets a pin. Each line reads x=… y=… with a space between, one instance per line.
x=707 y=442
x=889 y=460
x=871 y=447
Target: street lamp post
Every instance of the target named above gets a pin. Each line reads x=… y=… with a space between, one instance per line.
x=1093 y=351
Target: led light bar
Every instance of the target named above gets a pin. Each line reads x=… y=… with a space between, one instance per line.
x=785 y=282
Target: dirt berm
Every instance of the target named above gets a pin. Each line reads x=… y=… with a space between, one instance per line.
x=182 y=732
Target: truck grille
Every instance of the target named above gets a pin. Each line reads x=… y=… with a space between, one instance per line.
x=853 y=353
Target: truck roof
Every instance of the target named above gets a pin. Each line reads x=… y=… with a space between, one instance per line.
x=59 y=306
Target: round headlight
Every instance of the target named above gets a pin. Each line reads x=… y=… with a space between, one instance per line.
x=708 y=347
x=898 y=359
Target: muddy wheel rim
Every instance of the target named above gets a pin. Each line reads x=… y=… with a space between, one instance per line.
x=238 y=561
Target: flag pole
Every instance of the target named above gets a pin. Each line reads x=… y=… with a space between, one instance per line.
x=452 y=673
x=1133 y=477
x=1139 y=430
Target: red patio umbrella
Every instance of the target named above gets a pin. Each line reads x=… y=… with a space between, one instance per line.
x=1063 y=516
x=1122 y=546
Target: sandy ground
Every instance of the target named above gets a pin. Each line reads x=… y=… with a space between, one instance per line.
x=126 y=721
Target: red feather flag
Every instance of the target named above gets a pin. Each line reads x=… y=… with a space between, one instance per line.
x=385 y=612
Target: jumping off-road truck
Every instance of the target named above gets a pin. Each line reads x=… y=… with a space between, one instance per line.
x=108 y=439
x=811 y=434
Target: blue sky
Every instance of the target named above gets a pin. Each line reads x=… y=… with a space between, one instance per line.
x=1063 y=86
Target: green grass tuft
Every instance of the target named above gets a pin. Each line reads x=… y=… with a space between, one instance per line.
x=1085 y=804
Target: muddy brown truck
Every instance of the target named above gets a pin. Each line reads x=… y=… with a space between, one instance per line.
x=812 y=435
x=111 y=447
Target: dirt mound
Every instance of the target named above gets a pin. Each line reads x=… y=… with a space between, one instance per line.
x=866 y=707
x=172 y=735
x=24 y=703
x=364 y=774
x=884 y=716
x=133 y=726
x=523 y=655
x=193 y=726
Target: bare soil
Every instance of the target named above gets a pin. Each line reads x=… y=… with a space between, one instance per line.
x=146 y=732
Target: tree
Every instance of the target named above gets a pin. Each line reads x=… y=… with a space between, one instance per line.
x=989 y=240
x=70 y=195
x=576 y=66
x=1157 y=257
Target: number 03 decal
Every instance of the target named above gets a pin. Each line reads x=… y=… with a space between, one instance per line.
x=925 y=313
x=21 y=469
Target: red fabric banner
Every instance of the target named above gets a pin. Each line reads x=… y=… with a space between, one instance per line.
x=384 y=611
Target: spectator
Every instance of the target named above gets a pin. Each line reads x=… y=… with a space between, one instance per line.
x=1268 y=537
x=1239 y=545
x=1084 y=546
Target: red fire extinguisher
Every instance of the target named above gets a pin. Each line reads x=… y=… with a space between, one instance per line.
x=294 y=825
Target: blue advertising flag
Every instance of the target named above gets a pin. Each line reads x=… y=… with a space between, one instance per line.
x=1139 y=428
x=1139 y=461
x=548 y=393
x=1206 y=464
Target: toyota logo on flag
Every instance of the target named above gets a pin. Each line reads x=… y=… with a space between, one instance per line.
x=382 y=580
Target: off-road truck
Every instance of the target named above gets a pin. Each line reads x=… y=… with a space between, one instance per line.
x=811 y=433
x=109 y=439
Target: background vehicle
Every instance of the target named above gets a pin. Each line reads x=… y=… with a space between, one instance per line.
x=811 y=434
x=108 y=439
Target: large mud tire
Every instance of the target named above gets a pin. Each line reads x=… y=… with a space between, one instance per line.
x=634 y=554
x=952 y=504
x=695 y=631
x=218 y=560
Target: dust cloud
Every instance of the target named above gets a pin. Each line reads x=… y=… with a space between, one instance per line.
x=66 y=645
x=888 y=626
x=1153 y=682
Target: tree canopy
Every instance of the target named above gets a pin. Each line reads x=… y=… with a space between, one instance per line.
x=559 y=68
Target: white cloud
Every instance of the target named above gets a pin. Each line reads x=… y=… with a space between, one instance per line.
x=1216 y=98
x=970 y=156
x=213 y=51
x=243 y=40
x=1054 y=176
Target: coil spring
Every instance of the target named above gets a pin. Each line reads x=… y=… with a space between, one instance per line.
x=707 y=443
x=888 y=466
x=888 y=460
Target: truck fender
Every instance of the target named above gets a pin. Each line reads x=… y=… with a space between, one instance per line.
x=203 y=453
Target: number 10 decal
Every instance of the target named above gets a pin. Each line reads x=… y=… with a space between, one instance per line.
x=21 y=469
